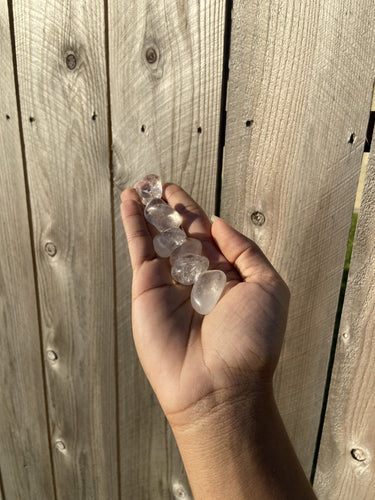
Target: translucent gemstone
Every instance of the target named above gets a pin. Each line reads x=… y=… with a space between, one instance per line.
x=167 y=241
x=187 y=268
x=207 y=290
x=161 y=215
x=191 y=245
x=149 y=187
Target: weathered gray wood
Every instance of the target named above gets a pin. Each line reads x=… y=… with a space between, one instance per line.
x=24 y=449
x=60 y=49
x=346 y=462
x=300 y=86
x=165 y=75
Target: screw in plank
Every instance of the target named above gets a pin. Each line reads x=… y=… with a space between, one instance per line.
x=50 y=248
x=358 y=454
x=60 y=446
x=71 y=61
x=179 y=491
x=51 y=355
x=151 y=55
x=258 y=218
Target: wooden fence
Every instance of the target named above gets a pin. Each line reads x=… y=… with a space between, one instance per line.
x=257 y=108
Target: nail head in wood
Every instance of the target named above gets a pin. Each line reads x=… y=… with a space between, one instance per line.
x=358 y=454
x=51 y=355
x=257 y=218
x=60 y=445
x=179 y=491
x=50 y=248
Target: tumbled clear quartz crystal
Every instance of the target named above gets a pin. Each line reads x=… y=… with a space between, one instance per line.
x=167 y=241
x=149 y=187
x=191 y=245
x=161 y=215
x=187 y=268
x=207 y=291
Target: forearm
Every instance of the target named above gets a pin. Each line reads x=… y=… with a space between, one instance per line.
x=242 y=452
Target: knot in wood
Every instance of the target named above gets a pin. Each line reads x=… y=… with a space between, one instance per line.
x=151 y=55
x=71 y=61
x=257 y=218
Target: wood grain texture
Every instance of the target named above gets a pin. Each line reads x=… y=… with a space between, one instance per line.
x=24 y=448
x=300 y=84
x=346 y=461
x=64 y=120
x=165 y=78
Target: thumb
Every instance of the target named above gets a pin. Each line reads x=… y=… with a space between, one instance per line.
x=240 y=251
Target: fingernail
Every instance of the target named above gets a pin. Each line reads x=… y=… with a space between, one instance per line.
x=214 y=217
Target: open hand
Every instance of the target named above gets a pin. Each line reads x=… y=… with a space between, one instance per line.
x=195 y=363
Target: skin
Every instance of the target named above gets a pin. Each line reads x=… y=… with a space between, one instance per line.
x=213 y=374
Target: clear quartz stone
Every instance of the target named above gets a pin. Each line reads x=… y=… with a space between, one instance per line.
x=191 y=245
x=169 y=240
x=187 y=268
x=149 y=187
x=161 y=215
x=207 y=291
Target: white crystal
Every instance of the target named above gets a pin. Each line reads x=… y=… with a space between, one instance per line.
x=187 y=268
x=149 y=187
x=207 y=290
x=167 y=241
x=191 y=245
x=161 y=215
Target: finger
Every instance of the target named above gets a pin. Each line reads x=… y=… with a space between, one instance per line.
x=195 y=222
x=239 y=250
x=136 y=229
x=194 y=217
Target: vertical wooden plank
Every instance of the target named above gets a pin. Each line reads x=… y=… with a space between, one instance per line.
x=60 y=49
x=25 y=460
x=165 y=78
x=346 y=461
x=299 y=93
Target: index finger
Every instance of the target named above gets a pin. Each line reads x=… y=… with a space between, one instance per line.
x=195 y=222
x=136 y=229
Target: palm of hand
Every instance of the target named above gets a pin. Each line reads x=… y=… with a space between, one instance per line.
x=187 y=357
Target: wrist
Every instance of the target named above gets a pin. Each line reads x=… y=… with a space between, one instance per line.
x=230 y=405
x=219 y=442
x=240 y=449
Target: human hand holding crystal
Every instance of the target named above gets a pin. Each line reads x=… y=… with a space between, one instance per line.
x=213 y=374
x=195 y=362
